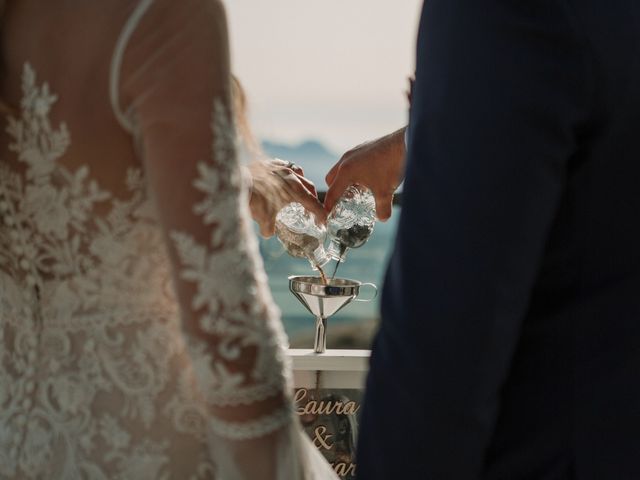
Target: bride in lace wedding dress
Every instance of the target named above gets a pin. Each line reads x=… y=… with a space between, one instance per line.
x=138 y=338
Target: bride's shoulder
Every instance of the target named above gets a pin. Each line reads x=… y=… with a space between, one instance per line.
x=178 y=21
x=172 y=11
x=167 y=42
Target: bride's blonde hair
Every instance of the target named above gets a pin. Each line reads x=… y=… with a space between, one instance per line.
x=239 y=99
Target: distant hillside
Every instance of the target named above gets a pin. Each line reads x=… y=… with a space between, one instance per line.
x=307 y=150
x=313 y=156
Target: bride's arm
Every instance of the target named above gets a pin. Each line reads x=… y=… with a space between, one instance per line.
x=175 y=79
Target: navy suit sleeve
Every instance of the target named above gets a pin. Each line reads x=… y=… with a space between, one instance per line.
x=500 y=91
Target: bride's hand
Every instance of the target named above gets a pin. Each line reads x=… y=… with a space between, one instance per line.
x=275 y=183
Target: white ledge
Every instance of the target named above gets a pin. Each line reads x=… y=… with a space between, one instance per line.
x=332 y=369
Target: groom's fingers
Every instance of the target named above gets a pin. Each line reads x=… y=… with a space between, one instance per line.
x=384 y=200
x=331 y=175
x=384 y=205
x=335 y=191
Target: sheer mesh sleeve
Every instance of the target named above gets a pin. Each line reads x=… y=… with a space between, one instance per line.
x=174 y=85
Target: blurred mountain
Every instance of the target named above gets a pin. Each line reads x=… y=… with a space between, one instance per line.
x=307 y=150
x=314 y=157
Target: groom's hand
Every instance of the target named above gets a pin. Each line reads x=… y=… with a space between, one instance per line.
x=377 y=165
x=276 y=183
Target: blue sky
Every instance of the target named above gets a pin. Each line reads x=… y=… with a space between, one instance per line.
x=334 y=70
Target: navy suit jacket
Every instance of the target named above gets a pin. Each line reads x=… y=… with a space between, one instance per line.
x=510 y=342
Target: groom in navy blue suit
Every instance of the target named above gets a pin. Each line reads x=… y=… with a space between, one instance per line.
x=510 y=342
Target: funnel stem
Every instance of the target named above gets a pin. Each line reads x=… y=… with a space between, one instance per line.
x=320 y=343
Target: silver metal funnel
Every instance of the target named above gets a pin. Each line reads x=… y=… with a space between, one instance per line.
x=324 y=300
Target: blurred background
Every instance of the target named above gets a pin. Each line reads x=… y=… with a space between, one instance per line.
x=322 y=77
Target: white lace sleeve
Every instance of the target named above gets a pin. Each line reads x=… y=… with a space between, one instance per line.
x=174 y=81
x=181 y=107
x=240 y=353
